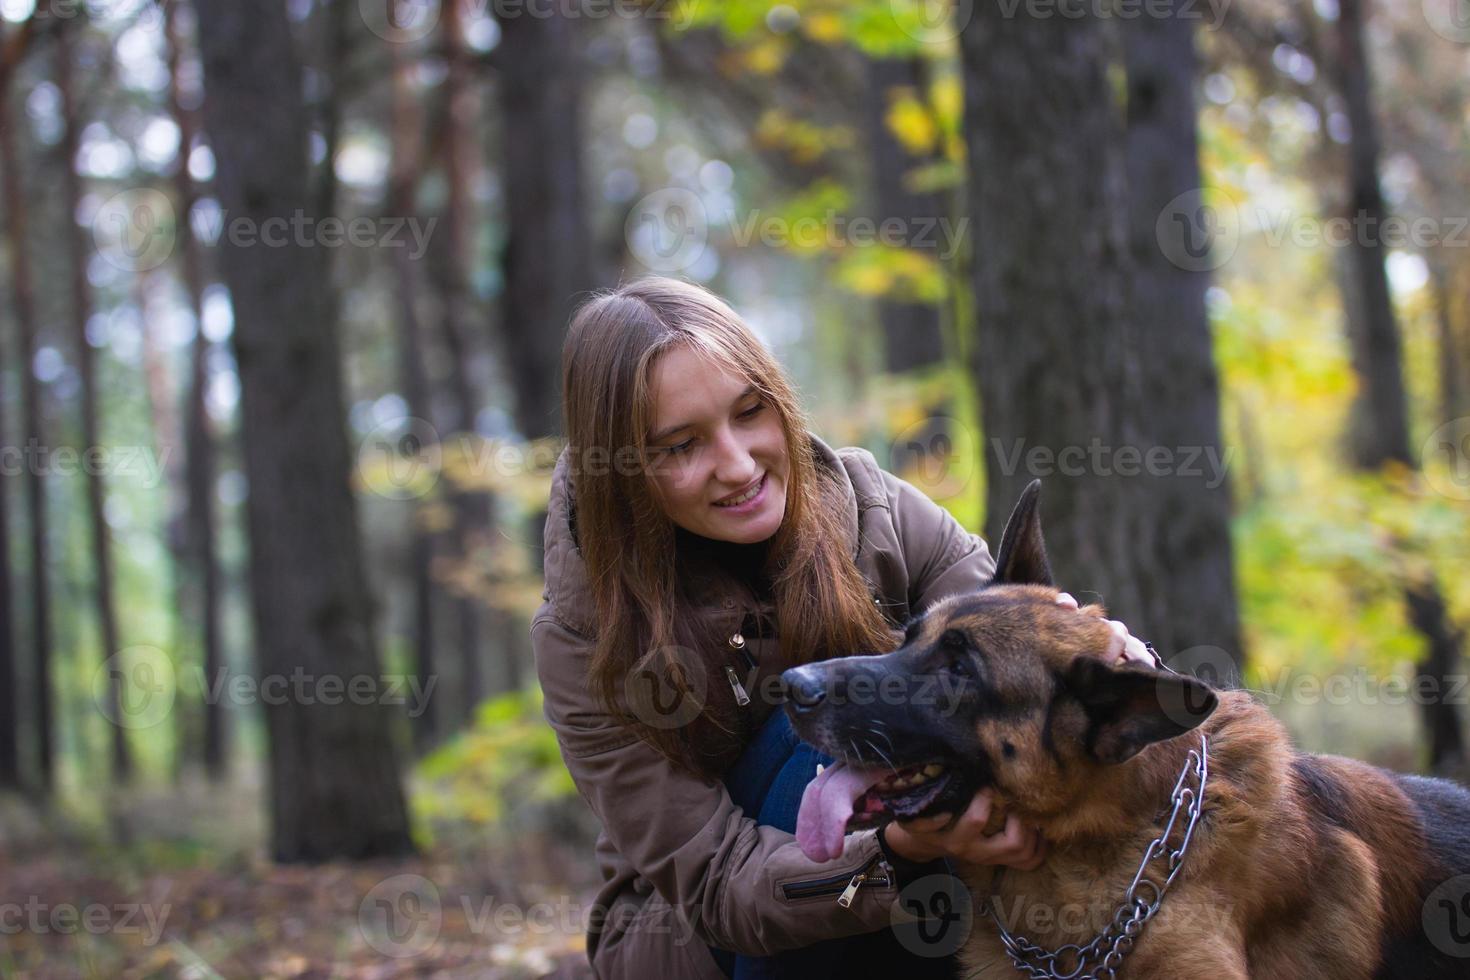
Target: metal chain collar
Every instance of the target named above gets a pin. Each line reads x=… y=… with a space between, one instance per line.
x=1106 y=950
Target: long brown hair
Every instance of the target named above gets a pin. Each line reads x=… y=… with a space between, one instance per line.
x=627 y=542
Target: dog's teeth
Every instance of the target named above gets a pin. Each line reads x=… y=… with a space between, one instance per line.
x=933 y=769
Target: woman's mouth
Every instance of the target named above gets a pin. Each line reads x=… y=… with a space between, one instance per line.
x=747 y=500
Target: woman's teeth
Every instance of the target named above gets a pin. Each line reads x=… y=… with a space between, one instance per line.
x=747 y=495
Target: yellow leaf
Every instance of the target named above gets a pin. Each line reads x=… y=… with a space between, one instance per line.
x=911 y=123
x=824 y=28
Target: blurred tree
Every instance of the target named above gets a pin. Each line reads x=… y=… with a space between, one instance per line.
x=203 y=578
x=404 y=132
x=547 y=261
x=81 y=310
x=1380 y=412
x=458 y=146
x=912 y=332
x=24 y=299
x=1192 y=605
x=334 y=771
x=1381 y=426
x=1054 y=344
x=9 y=691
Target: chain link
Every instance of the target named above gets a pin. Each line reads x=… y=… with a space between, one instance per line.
x=1105 y=953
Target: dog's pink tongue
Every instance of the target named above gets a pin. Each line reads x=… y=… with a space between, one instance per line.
x=826 y=804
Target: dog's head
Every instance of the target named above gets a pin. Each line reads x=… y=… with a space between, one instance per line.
x=1001 y=688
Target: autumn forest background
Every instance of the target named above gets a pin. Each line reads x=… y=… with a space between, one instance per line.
x=285 y=285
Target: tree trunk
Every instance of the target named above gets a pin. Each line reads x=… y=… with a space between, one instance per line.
x=1192 y=611
x=10 y=773
x=76 y=240
x=334 y=771
x=199 y=438
x=547 y=258
x=402 y=194
x=1454 y=353
x=1381 y=413
x=912 y=334
x=1427 y=613
x=1383 y=428
x=471 y=506
x=1046 y=174
x=32 y=425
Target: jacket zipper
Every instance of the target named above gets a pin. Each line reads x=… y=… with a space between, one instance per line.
x=844 y=885
x=737 y=642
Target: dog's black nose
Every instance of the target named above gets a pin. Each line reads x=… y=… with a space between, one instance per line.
x=803 y=690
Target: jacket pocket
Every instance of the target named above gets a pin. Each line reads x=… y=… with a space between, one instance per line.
x=843 y=886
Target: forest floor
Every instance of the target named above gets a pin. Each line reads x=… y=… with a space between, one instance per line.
x=176 y=884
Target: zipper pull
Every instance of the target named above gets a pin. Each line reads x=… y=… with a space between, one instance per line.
x=850 y=892
x=741 y=698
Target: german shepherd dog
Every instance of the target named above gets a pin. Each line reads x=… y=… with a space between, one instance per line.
x=1286 y=866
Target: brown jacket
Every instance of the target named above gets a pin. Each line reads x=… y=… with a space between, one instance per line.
x=682 y=866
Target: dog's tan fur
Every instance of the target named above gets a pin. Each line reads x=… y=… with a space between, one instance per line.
x=1274 y=888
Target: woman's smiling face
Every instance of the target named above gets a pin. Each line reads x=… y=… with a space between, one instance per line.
x=713 y=440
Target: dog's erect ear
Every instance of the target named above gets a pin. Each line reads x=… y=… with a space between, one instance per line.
x=1022 y=556
x=1131 y=708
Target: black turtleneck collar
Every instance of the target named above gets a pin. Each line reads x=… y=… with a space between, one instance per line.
x=744 y=561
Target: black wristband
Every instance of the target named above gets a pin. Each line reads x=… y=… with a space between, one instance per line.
x=905 y=869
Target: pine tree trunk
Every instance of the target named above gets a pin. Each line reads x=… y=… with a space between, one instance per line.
x=10 y=774
x=1047 y=192
x=199 y=435
x=1193 y=615
x=334 y=773
x=547 y=258
x=32 y=426
x=403 y=201
x=1381 y=413
x=1383 y=432
x=912 y=333
x=76 y=240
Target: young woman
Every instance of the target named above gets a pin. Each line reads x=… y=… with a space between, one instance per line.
x=699 y=541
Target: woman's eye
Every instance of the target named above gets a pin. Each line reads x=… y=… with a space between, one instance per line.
x=681 y=448
x=752 y=410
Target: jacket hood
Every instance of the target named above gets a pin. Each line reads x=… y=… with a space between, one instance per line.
x=567 y=587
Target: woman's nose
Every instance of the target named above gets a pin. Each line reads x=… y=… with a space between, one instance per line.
x=734 y=465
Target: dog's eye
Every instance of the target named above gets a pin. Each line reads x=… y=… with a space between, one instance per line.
x=962 y=666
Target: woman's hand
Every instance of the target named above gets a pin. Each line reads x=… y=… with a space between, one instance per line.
x=1017 y=845
x=1125 y=646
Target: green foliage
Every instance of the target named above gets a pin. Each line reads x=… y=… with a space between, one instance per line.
x=507 y=756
